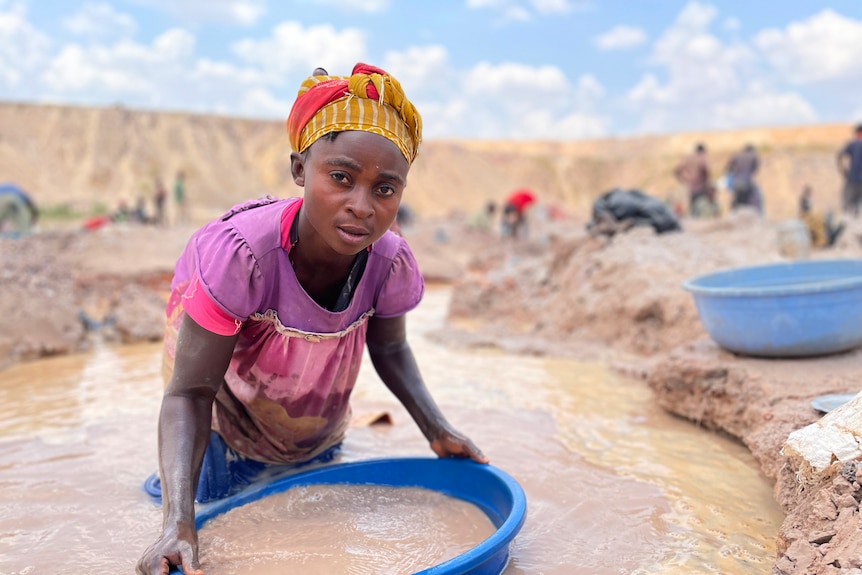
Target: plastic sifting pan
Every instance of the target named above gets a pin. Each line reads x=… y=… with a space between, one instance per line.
x=493 y=491
x=793 y=309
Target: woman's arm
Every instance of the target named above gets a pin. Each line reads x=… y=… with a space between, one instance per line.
x=202 y=358
x=393 y=359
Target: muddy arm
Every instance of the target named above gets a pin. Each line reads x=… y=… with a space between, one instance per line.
x=394 y=361
x=202 y=358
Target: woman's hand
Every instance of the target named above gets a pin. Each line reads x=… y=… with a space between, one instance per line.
x=446 y=442
x=177 y=546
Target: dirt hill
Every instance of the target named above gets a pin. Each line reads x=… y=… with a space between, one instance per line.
x=82 y=157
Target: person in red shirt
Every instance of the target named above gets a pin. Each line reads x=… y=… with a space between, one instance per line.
x=514 y=213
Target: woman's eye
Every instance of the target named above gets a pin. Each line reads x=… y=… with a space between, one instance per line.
x=339 y=177
x=386 y=191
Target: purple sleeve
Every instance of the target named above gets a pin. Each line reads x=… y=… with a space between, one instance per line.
x=228 y=270
x=404 y=286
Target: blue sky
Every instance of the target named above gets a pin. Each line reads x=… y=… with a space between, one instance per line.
x=510 y=69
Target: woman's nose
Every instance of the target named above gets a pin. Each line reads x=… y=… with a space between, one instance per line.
x=361 y=203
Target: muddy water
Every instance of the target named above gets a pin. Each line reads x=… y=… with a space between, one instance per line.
x=369 y=529
x=614 y=485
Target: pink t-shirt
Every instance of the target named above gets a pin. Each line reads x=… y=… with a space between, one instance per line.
x=286 y=397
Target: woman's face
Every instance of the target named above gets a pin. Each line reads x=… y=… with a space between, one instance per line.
x=353 y=185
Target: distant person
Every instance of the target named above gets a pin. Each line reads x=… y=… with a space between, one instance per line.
x=273 y=304
x=18 y=212
x=139 y=214
x=483 y=220
x=822 y=229
x=741 y=170
x=693 y=172
x=180 y=198
x=124 y=213
x=160 y=196
x=515 y=213
x=850 y=166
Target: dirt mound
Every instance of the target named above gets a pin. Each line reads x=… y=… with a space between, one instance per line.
x=624 y=292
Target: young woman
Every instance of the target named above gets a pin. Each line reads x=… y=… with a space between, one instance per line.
x=273 y=304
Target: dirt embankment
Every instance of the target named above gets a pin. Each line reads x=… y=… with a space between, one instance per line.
x=60 y=288
x=621 y=300
x=81 y=157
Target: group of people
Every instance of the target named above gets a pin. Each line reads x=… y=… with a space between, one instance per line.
x=513 y=218
x=823 y=227
x=740 y=173
x=158 y=215
x=694 y=173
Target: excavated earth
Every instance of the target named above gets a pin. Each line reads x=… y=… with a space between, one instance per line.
x=618 y=300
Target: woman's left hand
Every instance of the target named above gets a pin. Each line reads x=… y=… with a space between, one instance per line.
x=447 y=442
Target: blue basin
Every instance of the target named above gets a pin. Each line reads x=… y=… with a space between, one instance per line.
x=793 y=309
x=489 y=488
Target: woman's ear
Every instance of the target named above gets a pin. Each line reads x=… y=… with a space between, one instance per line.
x=297 y=168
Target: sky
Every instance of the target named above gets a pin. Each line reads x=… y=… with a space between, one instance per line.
x=476 y=69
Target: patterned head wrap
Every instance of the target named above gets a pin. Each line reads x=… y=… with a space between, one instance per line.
x=370 y=100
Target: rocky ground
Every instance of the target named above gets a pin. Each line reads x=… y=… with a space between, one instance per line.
x=562 y=292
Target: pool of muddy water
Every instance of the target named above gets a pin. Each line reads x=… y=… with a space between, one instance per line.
x=613 y=483
x=369 y=529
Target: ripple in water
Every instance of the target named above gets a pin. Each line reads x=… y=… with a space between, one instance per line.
x=364 y=529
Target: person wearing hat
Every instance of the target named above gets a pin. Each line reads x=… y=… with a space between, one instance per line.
x=273 y=303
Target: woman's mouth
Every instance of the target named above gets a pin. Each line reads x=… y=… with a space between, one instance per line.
x=353 y=235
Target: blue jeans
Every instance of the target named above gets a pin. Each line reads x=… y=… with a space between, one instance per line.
x=225 y=472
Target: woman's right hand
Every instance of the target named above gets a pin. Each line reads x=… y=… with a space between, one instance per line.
x=177 y=546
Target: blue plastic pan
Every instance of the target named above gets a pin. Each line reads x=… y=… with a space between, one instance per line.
x=788 y=309
x=492 y=490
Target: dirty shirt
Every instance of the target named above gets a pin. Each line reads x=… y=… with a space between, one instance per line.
x=853 y=150
x=285 y=397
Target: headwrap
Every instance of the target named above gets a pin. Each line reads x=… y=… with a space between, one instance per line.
x=370 y=100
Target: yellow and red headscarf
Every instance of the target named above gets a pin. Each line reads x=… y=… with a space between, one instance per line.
x=370 y=100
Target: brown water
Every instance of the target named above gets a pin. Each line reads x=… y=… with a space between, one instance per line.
x=369 y=529
x=614 y=485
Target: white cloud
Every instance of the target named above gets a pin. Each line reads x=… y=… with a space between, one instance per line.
x=552 y=6
x=369 y=6
x=589 y=91
x=732 y=24
x=422 y=70
x=512 y=100
x=621 y=38
x=240 y=11
x=294 y=49
x=23 y=50
x=261 y=103
x=100 y=21
x=143 y=74
x=495 y=4
x=699 y=82
x=763 y=109
x=524 y=10
x=825 y=47
x=699 y=68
